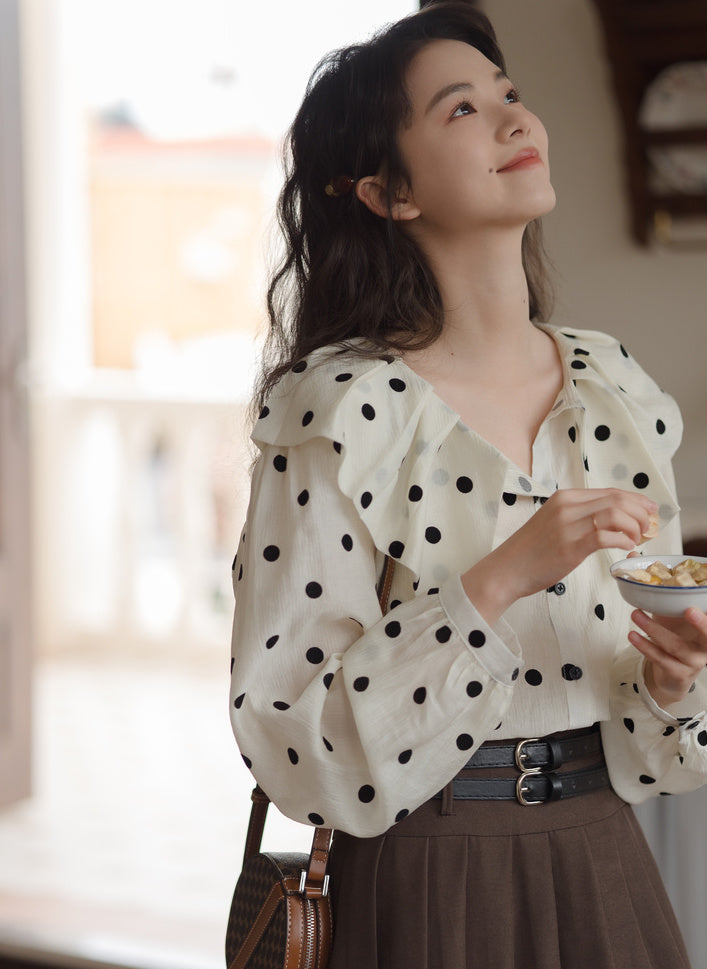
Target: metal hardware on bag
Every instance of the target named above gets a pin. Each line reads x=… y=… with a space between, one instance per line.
x=520 y=754
x=520 y=789
x=303 y=880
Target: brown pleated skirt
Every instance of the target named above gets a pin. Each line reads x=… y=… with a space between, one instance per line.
x=496 y=885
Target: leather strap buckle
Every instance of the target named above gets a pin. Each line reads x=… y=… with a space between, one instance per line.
x=303 y=881
x=521 y=755
x=521 y=789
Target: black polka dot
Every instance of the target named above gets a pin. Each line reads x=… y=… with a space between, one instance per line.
x=303 y=498
x=300 y=366
x=396 y=549
x=571 y=672
x=392 y=629
x=525 y=484
x=269 y=643
x=366 y=793
x=433 y=535
x=477 y=638
x=240 y=573
x=443 y=634
x=533 y=677
x=660 y=426
x=280 y=462
x=579 y=351
x=623 y=349
x=401 y=814
x=573 y=434
x=397 y=385
x=640 y=480
x=264 y=413
x=578 y=365
x=368 y=412
x=347 y=542
x=464 y=484
x=271 y=553
x=473 y=688
x=395 y=603
x=629 y=724
x=307 y=418
x=293 y=755
x=464 y=741
x=509 y=498
x=702 y=738
x=366 y=499
x=668 y=731
x=599 y=611
x=602 y=432
x=314 y=655
x=313 y=590
x=247 y=761
x=316 y=819
x=586 y=464
x=328 y=677
x=337 y=446
x=233 y=662
x=415 y=493
x=327 y=744
x=343 y=377
x=404 y=756
x=646 y=779
x=361 y=683
x=515 y=674
x=420 y=695
x=238 y=702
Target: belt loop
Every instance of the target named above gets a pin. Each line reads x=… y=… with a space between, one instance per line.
x=447 y=808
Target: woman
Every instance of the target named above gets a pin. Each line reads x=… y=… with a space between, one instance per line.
x=416 y=408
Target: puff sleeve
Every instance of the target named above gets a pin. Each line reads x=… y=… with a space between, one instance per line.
x=348 y=718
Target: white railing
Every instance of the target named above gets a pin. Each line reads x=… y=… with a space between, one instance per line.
x=139 y=498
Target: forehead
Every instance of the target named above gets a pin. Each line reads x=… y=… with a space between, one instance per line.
x=444 y=62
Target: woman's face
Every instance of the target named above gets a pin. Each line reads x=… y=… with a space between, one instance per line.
x=476 y=157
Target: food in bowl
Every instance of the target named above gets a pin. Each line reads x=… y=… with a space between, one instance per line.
x=687 y=573
x=665 y=585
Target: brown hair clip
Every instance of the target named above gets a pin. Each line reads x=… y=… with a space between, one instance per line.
x=339 y=185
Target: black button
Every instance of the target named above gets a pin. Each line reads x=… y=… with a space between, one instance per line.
x=571 y=672
x=560 y=588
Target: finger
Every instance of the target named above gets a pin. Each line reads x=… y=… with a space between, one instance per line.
x=674 y=638
x=671 y=666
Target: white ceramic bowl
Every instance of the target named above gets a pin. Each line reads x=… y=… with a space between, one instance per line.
x=663 y=600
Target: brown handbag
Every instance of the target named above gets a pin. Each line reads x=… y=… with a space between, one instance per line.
x=281 y=915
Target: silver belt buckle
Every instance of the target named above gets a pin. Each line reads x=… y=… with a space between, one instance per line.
x=520 y=756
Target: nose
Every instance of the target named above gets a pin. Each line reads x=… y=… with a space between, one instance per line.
x=515 y=121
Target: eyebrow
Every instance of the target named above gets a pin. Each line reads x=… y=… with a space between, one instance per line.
x=456 y=87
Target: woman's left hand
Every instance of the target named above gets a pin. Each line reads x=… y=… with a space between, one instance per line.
x=675 y=650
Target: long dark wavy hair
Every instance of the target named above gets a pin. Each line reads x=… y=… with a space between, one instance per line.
x=347 y=272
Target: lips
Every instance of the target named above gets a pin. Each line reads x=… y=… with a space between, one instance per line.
x=525 y=158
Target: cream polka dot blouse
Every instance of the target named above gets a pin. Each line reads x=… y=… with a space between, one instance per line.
x=352 y=719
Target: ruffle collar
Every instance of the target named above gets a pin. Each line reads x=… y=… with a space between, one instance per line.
x=401 y=446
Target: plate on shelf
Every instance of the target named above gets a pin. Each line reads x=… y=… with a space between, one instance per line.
x=676 y=99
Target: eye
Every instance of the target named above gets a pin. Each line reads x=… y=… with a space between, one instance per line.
x=462 y=109
x=512 y=96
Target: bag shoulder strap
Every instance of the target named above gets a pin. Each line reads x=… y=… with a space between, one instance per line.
x=315 y=881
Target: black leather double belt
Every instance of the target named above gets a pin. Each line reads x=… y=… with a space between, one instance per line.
x=536 y=760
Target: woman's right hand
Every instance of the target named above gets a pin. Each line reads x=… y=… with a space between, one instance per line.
x=561 y=534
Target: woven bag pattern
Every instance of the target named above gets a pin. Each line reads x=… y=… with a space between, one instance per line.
x=256 y=880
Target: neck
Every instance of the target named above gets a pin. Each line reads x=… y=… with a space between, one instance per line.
x=485 y=298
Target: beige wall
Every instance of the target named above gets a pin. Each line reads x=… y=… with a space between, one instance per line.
x=654 y=300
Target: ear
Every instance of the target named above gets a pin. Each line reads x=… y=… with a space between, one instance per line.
x=372 y=191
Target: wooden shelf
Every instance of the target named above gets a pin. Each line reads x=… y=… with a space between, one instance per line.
x=643 y=37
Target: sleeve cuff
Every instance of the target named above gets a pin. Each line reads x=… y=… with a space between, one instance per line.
x=495 y=647
x=658 y=712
